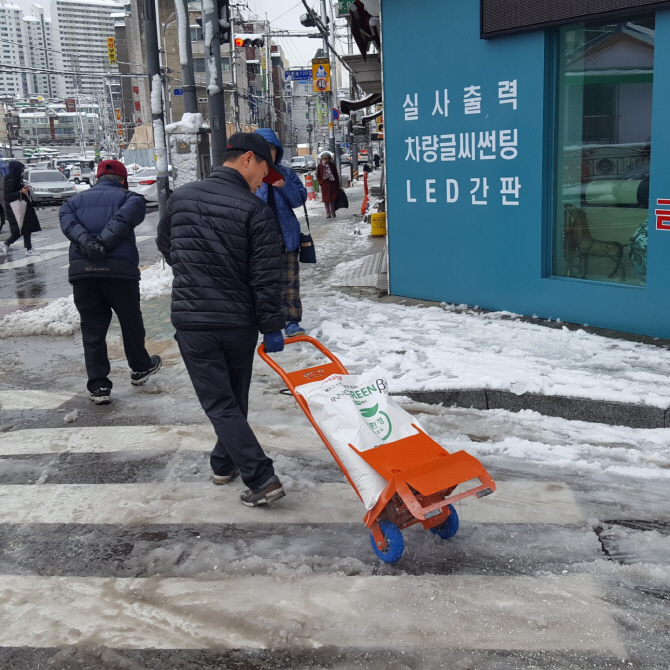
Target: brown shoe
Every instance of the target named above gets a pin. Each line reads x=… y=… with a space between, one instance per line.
x=269 y=492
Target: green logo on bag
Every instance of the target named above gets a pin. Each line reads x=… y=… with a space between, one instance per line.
x=381 y=425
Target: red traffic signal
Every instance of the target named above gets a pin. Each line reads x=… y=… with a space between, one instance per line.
x=249 y=40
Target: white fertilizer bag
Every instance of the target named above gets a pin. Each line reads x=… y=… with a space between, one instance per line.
x=356 y=409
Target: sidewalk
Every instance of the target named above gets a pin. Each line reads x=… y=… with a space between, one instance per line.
x=435 y=352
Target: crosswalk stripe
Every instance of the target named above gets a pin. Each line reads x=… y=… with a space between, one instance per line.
x=104 y=439
x=31 y=260
x=58 y=249
x=309 y=612
x=17 y=400
x=203 y=502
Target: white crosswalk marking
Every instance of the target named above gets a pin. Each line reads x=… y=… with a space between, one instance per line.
x=297 y=610
x=23 y=400
x=310 y=612
x=171 y=503
x=147 y=438
x=52 y=251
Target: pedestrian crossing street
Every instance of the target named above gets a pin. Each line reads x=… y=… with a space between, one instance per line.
x=177 y=563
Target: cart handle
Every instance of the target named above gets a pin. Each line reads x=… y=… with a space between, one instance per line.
x=294 y=340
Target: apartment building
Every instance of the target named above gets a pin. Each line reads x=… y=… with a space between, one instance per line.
x=38 y=54
x=80 y=32
x=11 y=52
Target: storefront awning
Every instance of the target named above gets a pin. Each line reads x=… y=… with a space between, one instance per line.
x=368 y=72
x=348 y=106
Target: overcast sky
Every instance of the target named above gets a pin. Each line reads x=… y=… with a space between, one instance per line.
x=282 y=14
x=285 y=14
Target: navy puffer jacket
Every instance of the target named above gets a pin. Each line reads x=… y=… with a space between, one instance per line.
x=225 y=251
x=107 y=214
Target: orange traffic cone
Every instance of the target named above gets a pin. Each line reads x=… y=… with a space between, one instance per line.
x=309 y=185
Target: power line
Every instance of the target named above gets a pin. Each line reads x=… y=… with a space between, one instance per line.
x=63 y=53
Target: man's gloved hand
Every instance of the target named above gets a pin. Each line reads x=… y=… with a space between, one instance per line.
x=94 y=250
x=273 y=341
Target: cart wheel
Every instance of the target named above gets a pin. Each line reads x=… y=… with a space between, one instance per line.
x=449 y=528
x=395 y=544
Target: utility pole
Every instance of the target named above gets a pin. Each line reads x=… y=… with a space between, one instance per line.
x=212 y=12
x=156 y=88
x=329 y=95
x=186 y=57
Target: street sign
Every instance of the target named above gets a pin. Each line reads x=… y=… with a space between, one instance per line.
x=297 y=75
x=321 y=74
x=336 y=114
x=111 y=50
x=177 y=91
x=343 y=7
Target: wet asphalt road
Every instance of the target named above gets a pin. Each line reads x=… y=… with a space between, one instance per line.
x=44 y=277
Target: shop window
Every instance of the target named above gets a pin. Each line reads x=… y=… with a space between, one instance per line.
x=603 y=149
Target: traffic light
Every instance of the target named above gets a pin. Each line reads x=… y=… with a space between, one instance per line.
x=308 y=21
x=224 y=21
x=249 y=40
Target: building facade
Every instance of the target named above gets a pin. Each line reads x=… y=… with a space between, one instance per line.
x=520 y=170
x=80 y=32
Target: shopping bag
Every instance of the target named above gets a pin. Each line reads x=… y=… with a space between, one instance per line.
x=307 y=251
x=19 y=208
x=357 y=410
x=341 y=202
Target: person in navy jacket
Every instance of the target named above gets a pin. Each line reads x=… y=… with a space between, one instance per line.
x=282 y=197
x=104 y=273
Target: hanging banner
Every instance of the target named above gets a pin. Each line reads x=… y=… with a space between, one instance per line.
x=111 y=50
x=321 y=74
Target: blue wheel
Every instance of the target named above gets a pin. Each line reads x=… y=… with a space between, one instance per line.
x=395 y=544
x=449 y=528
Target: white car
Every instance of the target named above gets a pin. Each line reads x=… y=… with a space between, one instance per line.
x=145 y=183
x=49 y=185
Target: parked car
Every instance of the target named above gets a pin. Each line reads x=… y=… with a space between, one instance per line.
x=363 y=156
x=49 y=186
x=345 y=159
x=303 y=163
x=145 y=183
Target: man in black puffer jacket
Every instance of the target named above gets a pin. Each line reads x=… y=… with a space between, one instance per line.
x=224 y=247
x=104 y=273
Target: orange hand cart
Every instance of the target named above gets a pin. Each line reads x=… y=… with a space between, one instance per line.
x=422 y=476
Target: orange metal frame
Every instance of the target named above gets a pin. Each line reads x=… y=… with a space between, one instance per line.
x=421 y=475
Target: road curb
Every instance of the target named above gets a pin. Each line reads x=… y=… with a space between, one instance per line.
x=574 y=409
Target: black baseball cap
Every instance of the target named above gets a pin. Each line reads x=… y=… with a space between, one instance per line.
x=261 y=147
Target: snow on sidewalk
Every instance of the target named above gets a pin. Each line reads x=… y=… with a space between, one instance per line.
x=60 y=317
x=438 y=348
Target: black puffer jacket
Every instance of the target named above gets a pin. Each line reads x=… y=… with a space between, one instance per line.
x=224 y=248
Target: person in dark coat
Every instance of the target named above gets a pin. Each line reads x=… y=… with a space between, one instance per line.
x=282 y=197
x=329 y=181
x=224 y=246
x=16 y=191
x=104 y=273
x=377 y=161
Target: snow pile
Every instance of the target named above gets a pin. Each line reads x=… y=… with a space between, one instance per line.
x=60 y=317
x=189 y=123
x=156 y=281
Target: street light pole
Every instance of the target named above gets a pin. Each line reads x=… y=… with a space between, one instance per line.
x=156 y=88
x=329 y=95
x=215 y=99
x=186 y=57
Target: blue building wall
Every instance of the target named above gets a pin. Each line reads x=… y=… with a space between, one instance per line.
x=497 y=256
